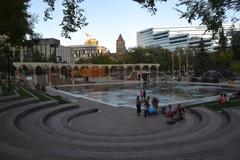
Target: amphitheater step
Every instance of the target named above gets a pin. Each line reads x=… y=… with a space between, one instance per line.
x=17 y=103
x=47 y=130
x=4 y=99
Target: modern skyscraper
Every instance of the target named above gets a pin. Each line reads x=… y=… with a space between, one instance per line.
x=120 y=45
x=178 y=37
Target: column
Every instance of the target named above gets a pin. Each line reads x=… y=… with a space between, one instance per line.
x=109 y=73
x=49 y=77
x=72 y=76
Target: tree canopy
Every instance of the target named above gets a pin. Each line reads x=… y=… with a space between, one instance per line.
x=16 y=22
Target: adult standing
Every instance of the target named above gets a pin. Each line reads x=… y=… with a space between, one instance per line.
x=138 y=105
x=146 y=106
x=144 y=94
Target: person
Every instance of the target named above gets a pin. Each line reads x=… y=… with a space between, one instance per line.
x=138 y=105
x=141 y=93
x=43 y=88
x=226 y=98
x=146 y=106
x=56 y=87
x=155 y=104
x=180 y=112
x=163 y=110
x=222 y=99
x=169 y=111
x=144 y=94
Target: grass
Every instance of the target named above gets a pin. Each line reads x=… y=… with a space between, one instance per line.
x=27 y=92
x=5 y=90
x=23 y=92
x=40 y=95
x=59 y=99
x=217 y=106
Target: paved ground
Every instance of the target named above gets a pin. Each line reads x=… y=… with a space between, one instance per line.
x=89 y=130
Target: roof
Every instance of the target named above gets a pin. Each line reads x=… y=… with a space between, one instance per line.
x=120 y=39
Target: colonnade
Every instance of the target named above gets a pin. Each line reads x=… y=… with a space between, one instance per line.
x=62 y=73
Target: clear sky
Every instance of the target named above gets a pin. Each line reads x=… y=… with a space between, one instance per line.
x=107 y=19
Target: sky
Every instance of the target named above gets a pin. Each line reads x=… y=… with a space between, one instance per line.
x=107 y=19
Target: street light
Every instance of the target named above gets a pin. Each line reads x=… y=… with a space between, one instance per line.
x=172 y=66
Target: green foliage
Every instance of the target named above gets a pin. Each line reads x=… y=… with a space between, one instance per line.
x=73 y=18
x=33 y=55
x=150 y=5
x=15 y=22
x=23 y=92
x=201 y=61
x=149 y=55
x=217 y=106
x=73 y=15
x=236 y=44
x=6 y=54
x=41 y=96
x=222 y=41
x=236 y=67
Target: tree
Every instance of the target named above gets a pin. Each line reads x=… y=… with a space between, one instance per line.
x=15 y=22
x=6 y=67
x=211 y=13
x=201 y=61
x=222 y=41
x=235 y=44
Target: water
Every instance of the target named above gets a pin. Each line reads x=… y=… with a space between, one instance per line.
x=125 y=94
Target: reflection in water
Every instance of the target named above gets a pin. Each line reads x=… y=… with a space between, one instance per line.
x=125 y=94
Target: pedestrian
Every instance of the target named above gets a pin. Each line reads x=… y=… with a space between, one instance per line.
x=155 y=104
x=141 y=95
x=146 y=106
x=138 y=105
x=144 y=94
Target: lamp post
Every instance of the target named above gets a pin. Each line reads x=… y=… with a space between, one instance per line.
x=180 y=65
x=8 y=71
x=172 y=66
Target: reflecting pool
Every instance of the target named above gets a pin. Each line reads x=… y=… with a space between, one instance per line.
x=124 y=94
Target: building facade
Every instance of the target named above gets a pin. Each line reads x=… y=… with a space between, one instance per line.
x=49 y=48
x=120 y=45
x=88 y=50
x=178 y=37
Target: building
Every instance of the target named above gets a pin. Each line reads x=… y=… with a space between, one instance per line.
x=49 y=48
x=88 y=50
x=178 y=37
x=120 y=45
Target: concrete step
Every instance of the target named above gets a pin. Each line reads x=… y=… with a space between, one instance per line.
x=4 y=99
x=17 y=103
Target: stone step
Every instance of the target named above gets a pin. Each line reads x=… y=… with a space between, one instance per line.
x=4 y=99
x=17 y=103
x=43 y=131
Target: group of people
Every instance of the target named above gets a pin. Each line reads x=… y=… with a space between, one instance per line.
x=148 y=108
x=176 y=114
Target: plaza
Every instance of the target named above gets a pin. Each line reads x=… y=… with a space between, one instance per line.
x=34 y=129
